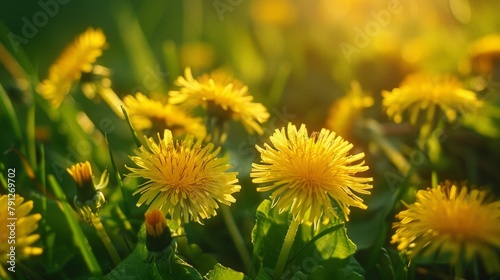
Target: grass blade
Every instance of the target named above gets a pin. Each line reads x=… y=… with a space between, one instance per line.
x=79 y=238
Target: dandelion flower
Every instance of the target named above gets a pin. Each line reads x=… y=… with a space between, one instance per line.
x=197 y=55
x=347 y=109
x=451 y=220
x=485 y=53
x=421 y=92
x=158 y=234
x=183 y=179
x=223 y=96
x=68 y=68
x=273 y=12
x=147 y=114
x=25 y=225
x=306 y=172
x=88 y=199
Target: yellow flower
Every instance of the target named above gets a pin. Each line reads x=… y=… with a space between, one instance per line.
x=484 y=53
x=145 y=113
x=347 y=109
x=155 y=223
x=88 y=199
x=198 y=55
x=451 y=220
x=68 y=68
x=306 y=172
x=422 y=92
x=184 y=179
x=158 y=235
x=21 y=233
x=223 y=96
x=273 y=12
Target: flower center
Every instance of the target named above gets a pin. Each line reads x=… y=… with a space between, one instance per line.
x=460 y=223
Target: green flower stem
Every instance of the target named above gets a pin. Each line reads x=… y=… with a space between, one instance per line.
x=96 y=221
x=217 y=129
x=285 y=250
x=434 y=179
x=236 y=236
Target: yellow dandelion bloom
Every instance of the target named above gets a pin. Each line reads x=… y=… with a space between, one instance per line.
x=145 y=113
x=484 y=53
x=197 y=55
x=422 y=92
x=451 y=220
x=88 y=199
x=273 y=12
x=184 y=179
x=155 y=222
x=19 y=231
x=158 y=235
x=223 y=96
x=347 y=109
x=68 y=68
x=306 y=172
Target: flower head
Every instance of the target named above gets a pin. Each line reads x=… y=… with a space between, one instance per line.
x=347 y=109
x=25 y=225
x=422 y=92
x=197 y=55
x=451 y=220
x=306 y=172
x=68 y=68
x=274 y=12
x=223 y=96
x=184 y=179
x=158 y=234
x=88 y=199
x=147 y=113
x=485 y=54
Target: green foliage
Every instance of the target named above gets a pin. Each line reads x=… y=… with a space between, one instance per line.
x=316 y=252
x=224 y=273
x=140 y=264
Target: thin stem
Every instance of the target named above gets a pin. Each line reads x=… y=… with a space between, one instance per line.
x=96 y=221
x=217 y=128
x=285 y=250
x=236 y=236
x=434 y=179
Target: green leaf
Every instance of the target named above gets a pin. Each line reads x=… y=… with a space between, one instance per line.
x=8 y=108
x=224 y=273
x=268 y=234
x=79 y=238
x=318 y=273
x=179 y=270
x=354 y=270
x=328 y=246
x=202 y=261
x=135 y=265
x=355 y=276
x=264 y=274
x=336 y=244
x=117 y=175
x=134 y=133
x=485 y=122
